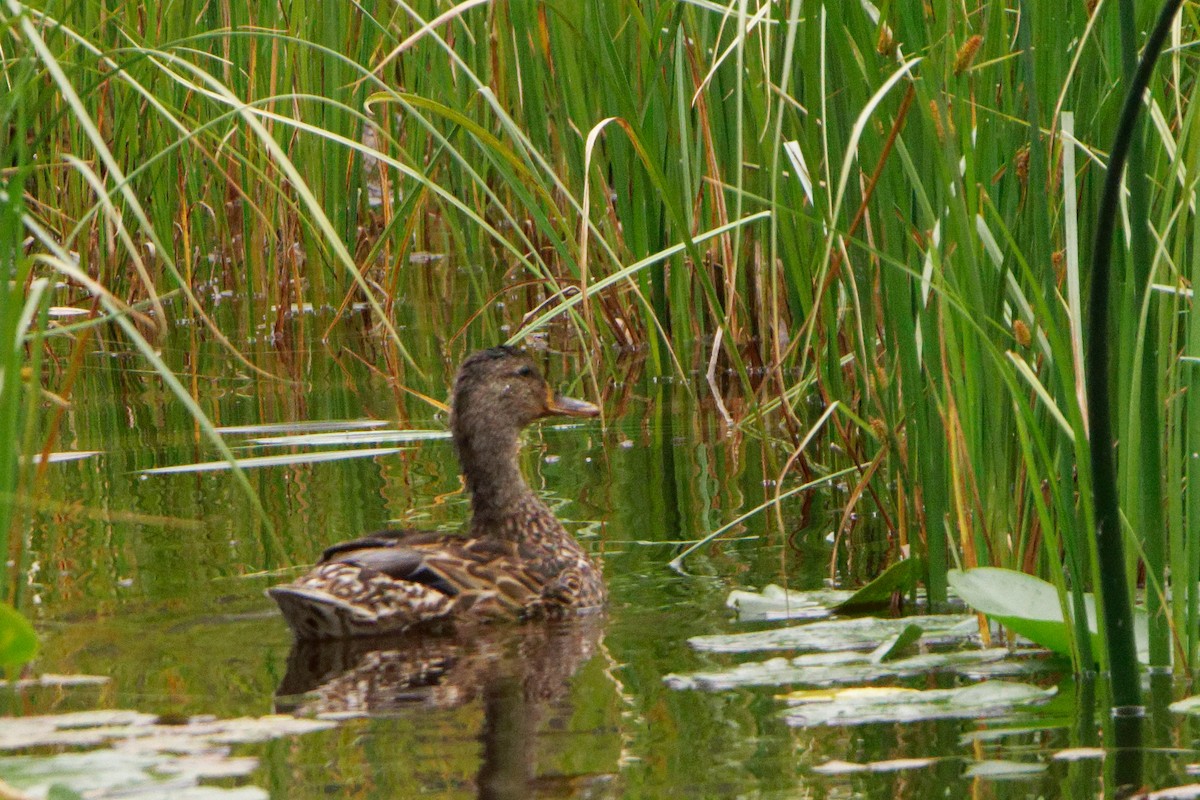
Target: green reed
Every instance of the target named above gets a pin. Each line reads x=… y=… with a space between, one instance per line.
x=21 y=304
x=12 y=263
x=795 y=204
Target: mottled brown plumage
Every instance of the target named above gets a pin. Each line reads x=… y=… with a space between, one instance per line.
x=515 y=560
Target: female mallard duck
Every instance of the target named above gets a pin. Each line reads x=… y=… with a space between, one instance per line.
x=515 y=561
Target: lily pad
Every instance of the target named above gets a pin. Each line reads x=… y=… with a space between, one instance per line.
x=131 y=755
x=113 y=773
x=864 y=633
x=1029 y=607
x=776 y=603
x=859 y=706
x=847 y=668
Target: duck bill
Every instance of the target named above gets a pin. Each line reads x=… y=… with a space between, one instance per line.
x=558 y=405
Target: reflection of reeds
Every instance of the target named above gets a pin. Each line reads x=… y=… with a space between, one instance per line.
x=808 y=208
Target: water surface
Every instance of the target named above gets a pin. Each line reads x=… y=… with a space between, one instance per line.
x=156 y=581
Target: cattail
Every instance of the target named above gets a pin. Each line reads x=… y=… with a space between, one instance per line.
x=938 y=128
x=1022 y=160
x=885 y=45
x=1021 y=333
x=966 y=54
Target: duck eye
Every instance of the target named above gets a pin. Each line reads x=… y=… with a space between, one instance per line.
x=525 y=372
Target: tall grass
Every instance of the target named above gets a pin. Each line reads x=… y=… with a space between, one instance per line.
x=804 y=203
x=20 y=302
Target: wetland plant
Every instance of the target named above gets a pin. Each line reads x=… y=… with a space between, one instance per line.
x=861 y=228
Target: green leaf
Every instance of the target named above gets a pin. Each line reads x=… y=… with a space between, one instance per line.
x=18 y=641
x=1188 y=705
x=899 y=577
x=60 y=792
x=1029 y=607
x=895 y=645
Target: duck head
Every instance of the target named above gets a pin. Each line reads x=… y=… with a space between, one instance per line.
x=503 y=388
x=497 y=392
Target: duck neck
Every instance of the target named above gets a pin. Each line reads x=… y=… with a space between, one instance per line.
x=493 y=474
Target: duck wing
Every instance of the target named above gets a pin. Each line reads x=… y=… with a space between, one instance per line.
x=393 y=580
x=379 y=539
x=451 y=565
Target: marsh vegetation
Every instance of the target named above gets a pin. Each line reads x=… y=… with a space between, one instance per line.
x=821 y=263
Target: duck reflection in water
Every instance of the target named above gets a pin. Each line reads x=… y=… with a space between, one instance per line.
x=521 y=676
x=425 y=599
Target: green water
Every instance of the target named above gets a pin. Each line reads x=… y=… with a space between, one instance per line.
x=156 y=581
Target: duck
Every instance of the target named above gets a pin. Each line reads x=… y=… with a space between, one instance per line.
x=513 y=561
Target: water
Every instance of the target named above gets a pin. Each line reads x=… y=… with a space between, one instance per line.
x=156 y=581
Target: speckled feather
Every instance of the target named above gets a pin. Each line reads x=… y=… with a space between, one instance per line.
x=516 y=561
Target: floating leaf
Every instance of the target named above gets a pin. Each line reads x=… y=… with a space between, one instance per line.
x=860 y=706
x=132 y=755
x=864 y=633
x=117 y=773
x=91 y=728
x=843 y=668
x=775 y=602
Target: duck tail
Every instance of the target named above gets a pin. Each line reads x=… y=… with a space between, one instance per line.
x=314 y=614
x=338 y=600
